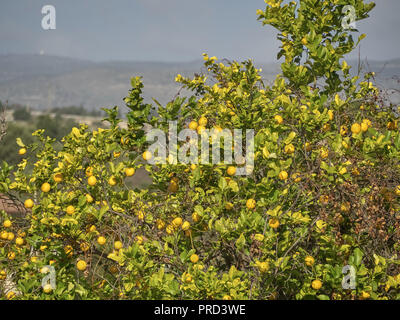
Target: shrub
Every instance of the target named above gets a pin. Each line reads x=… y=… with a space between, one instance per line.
x=22 y=114
x=322 y=194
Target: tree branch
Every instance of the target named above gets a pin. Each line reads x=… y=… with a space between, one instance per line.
x=3 y=124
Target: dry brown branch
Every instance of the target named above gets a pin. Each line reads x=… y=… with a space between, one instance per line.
x=3 y=124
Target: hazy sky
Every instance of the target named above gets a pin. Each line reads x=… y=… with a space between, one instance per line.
x=167 y=30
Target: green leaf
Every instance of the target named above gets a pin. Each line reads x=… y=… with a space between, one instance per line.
x=199 y=209
x=290 y=137
x=103 y=210
x=358 y=255
x=240 y=242
x=222 y=184
x=234 y=186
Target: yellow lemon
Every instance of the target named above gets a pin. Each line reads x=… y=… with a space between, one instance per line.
x=89 y=198
x=89 y=171
x=47 y=288
x=203 y=121
x=45 y=187
x=200 y=129
x=7 y=224
x=278 y=119
x=21 y=233
x=283 y=175
x=364 y=127
x=19 y=241
x=250 y=204
x=289 y=149
x=356 y=128
x=309 y=261
x=193 y=125
x=218 y=129
x=367 y=122
x=22 y=151
x=139 y=239
x=101 y=240
x=58 y=177
x=81 y=265
x=84 y=246
x=44 y=270
x=92 y=181
x=231 y=170
x=186 y=226
x=316 y=284
x=273 y=223
x=263 y=266
x=392 y=125
x=112 y=181
x=194 y=258
x=343 y=130
x=296 y=177
x=11 y=255
x=28 y=203
x=118 y=245
x=160 y=224
x=170 y=229
x=228 y=206
x=129 y=172
x=70 y=210
x=147 y=155
x=177 y=222
x=188 y=278
x=141 y=215
x=195 y=217
x=324 y=153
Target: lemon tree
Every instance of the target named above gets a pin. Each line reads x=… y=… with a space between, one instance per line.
x=323 y=192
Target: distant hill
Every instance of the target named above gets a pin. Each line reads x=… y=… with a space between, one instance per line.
x=44 y=82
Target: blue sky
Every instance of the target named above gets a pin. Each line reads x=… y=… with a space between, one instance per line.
x=167 y=30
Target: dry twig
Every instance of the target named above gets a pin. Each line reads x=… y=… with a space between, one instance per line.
x=3 y=124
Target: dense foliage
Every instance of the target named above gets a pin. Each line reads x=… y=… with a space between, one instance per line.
x=323 y=193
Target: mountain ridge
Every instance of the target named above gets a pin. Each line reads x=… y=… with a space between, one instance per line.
x=44 y=82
